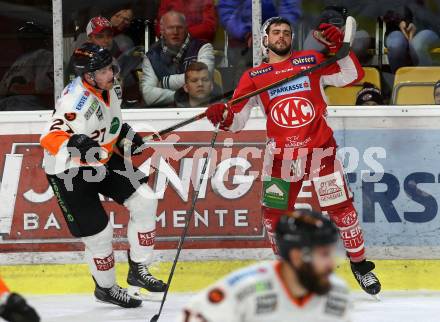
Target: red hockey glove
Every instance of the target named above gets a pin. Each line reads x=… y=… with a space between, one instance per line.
x=219 y=113
x=330 y=36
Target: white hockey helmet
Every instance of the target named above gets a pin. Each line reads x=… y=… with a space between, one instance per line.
x=264 y=29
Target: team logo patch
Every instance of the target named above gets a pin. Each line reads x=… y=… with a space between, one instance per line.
x=349 y=218
x=330 y=189
x=259 y=72
x=70 y=116
x=114 y=127
x=304 y=60
x=118 y=91
x=82 y=101
x=91 y=110
x=147 y=239
x=293 y=112
x=105 y=264
x=216 y=296
x=299 y=85
x=266 y=303
x=99 y=114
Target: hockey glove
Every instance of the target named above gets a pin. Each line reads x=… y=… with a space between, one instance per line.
x=220 y=113
x=330 y=36
x=131 y=136
x=15 y=309
x=83 y=144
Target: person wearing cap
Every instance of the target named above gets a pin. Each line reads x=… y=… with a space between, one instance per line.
x=437 y=93
x=99 y=31
x=369 y=95
x=299 y=286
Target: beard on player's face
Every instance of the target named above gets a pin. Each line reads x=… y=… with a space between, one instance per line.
x=281 y=47
x=318 y=283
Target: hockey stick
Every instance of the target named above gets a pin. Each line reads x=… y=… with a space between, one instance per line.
x=350 y=30
x=187 y=222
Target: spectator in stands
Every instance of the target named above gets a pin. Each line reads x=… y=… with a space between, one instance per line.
x=201 y=17
x=369 y=95
x=120 y=22
x=28 y=83
x=409 y=37
x=99 y=31
x=236 y=17
x=437 y=93
x=199 y=89
x=165 y=63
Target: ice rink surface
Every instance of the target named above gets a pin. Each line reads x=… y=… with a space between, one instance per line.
x=393 y=307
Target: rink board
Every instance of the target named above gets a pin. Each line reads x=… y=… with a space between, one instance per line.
x=398 y=207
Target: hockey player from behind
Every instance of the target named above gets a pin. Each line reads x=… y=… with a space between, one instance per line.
x=298 y=287
x=300 y=142
x=81 y=161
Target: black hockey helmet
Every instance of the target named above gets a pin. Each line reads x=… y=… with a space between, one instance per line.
x=304 y=229
x=90 y=57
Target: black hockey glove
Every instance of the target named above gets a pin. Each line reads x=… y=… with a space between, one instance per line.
x=83 y=144
x=132 y=136
x=17 y=310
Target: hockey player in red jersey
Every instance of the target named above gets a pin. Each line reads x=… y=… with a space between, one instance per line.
x=300 y=142
x=82 y=159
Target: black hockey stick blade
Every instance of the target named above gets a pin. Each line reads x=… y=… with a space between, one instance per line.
x=155 y=318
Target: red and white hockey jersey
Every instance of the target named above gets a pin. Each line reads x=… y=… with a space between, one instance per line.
x=295 y=111
x=81 y=110
x=257 y=293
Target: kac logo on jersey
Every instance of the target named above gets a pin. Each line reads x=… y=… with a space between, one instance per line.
x=293 y=112
x=259 y=72
x=304 y=60
x=295 y=86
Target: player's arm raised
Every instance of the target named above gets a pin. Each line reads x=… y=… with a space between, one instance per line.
x=345 y=71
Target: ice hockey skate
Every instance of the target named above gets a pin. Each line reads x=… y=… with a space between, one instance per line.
x=115 y=295
x=141 y=284
x=369 y=282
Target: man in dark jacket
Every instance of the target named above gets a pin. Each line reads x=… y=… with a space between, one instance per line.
x=163 y=69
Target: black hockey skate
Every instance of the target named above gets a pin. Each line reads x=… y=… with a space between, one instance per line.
x=115 y=295
x=140 y=278
x=362 y=271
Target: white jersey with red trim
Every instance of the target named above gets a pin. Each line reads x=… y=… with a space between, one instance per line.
x=81 y=110
x=296 y=110
x=257 y=293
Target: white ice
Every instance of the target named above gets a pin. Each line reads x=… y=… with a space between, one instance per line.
x=393 y=307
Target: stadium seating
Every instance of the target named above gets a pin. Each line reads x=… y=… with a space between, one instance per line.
x=414 y=85
x=347 y=95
